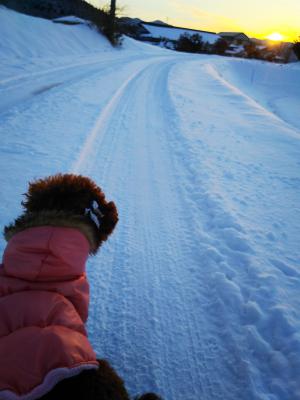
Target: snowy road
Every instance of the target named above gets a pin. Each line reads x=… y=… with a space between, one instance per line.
x=153 y=288
x=196 y=294
x=156 y=298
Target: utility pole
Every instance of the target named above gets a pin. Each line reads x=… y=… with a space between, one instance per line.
x=113 y=9
x=112 y=16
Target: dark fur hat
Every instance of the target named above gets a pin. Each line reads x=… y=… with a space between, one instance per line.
x=71 y=201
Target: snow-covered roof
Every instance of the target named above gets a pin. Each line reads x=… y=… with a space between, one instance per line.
x=233 y=35
x=71 y=19
x=230 y=33
x=261 y=47
x=173 y=33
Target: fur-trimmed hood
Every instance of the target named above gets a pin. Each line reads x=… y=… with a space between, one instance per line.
x=55 y=218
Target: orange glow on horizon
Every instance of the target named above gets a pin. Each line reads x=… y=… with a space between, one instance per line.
x=256 y=19
x=286 y=35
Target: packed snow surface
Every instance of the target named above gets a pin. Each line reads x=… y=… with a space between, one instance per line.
x=196 y=295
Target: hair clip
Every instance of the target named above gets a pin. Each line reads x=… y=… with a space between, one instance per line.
x=94 y=213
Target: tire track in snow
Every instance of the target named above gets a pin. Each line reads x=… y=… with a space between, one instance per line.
x=99 y=126
x=24 y=87
x=18 y=80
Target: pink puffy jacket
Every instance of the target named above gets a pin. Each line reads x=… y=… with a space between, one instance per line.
x=44 y=297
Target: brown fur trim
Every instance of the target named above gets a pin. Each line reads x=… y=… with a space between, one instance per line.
x=55 y=218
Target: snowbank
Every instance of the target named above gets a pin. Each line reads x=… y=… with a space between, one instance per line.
x=275 y=86
x=23 y=36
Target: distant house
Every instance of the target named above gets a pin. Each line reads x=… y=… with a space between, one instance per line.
x=281 y=52
x=286 y=53
x=292 y=57
x=235 y=38
x=234 y=50
x=132 y=27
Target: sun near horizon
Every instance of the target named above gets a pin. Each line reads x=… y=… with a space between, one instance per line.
x=275 y=37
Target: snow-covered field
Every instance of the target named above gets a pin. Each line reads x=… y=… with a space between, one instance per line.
x=196 y=295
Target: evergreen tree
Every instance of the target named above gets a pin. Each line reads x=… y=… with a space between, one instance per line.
x=189 y=43
x=296 y=48
x=220 y=46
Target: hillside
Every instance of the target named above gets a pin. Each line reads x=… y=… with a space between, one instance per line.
x=54 y=8
x=173 y=33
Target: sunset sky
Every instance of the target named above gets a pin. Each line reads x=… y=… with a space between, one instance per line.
x=256 y=18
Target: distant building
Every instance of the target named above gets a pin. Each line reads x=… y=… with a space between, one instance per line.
x=235 y=38
x=234 y=50
x=292 y=57
x=132 y=27
x=286 y=53
x=280 y=52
